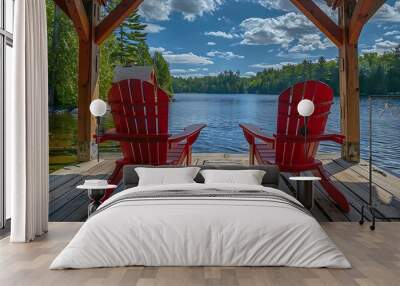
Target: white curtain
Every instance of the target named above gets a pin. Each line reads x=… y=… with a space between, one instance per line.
x=27 y=124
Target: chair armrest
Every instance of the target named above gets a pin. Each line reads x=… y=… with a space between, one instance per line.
x=311 y=138
x=112 y=135
x=253 y=132
x=337 y=138
x=190 y=133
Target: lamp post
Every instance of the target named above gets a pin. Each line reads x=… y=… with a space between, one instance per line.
x=98 y=108
x=305 y=108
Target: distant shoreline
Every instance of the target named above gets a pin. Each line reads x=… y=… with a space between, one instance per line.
x=250 y=93
x=74 y=110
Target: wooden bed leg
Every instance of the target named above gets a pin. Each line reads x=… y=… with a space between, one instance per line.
x=332 y=191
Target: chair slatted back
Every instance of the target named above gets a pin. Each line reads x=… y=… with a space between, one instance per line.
x=290 y=122
x=140 y=108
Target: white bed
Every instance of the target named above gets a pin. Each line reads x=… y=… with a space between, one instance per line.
x=201 y=231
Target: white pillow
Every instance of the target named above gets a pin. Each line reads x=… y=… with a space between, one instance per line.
x=166 y=176
x=247 y=177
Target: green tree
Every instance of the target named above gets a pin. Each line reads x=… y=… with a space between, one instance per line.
x=130 y=38
x=379 y=74
x=107 y=66
x=63 y=57
x=63 y=60
x=164 y=77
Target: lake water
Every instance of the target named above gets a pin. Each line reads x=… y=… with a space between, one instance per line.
x=223 y=112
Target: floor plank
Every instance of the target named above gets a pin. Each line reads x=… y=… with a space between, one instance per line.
x=375 y=259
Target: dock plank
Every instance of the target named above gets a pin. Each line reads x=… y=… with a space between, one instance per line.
x=355 y=187
x=388 y=185
x=68 y=204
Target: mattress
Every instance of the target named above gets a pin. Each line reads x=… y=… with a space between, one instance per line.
x=201 y=225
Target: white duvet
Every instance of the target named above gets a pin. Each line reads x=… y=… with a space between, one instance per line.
x=202 y=232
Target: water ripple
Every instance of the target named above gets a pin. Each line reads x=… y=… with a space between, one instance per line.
x=223 y=113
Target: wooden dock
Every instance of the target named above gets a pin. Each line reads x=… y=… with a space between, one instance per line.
x=69 y=204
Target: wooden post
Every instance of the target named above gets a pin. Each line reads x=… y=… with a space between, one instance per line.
x=88 y=83
x=349 y=86
x=251 y=154
x=85 y=15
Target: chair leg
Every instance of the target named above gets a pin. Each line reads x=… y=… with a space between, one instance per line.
x=330 y=188
x=114 y=179
x=251 y=155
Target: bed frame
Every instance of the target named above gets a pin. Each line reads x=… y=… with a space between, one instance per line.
x=270 y=179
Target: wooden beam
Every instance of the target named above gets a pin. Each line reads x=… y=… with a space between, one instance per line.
x=363 y=11
x=63 y=6
x=349 y=87
x=79 y=18
x=321 y=20
x=115 y=18
x=337 y=3
x=334 y=3
x=88 y=84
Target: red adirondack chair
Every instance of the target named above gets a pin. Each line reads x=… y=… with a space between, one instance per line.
x=286 y=148
x=140 y=113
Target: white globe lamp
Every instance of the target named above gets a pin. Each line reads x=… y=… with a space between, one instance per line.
x=98 y=108
x=305 y=108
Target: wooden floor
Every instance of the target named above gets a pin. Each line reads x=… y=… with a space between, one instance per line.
x=375 y=259
x=69 y=204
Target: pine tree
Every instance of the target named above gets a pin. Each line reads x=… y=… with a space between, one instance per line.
x=164 y=77
x=130 y=37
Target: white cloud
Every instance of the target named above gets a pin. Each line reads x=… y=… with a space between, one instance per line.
x=190 y=75
x=211 y=44
x=156 y=9
x=221 y=34
x=381 y=47
x=291 y=55
x=388 y=13
x=224 y=55
x=249 y=74
x=311 y=42
x=283 y=5
x=153 y=28
x=287 y=6
x=152 y=50
x=281 y=30
x=162 y=9
x=178 y=71
x=187 y=58
x=183 y=58
x=188 y=71
x=272 y=66
x=225 y=19
x=392 y=33
x=397 y=37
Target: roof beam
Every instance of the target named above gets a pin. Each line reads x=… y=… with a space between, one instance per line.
x=321 y=20
x=337 y=3
x=79 y=17
x=115 y=18
x=333 y=3
x=61 y=4
x=363 y=11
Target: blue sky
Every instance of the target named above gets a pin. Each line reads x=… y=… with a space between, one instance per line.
x=205 y=37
